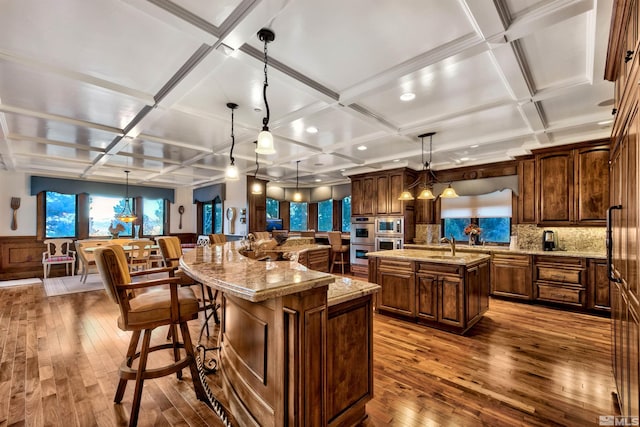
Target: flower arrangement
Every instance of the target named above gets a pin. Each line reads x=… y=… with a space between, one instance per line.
x=472 y=229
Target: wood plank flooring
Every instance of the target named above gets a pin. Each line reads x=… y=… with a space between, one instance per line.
x=521 y=365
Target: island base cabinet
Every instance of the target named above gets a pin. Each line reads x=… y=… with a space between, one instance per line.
x=511 y=276
x=452 y=297
x=397 y=294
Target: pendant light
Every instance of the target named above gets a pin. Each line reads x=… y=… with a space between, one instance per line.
x=265 y=138
x=127 y=214
x=231 y=174
x=297 y=197
x=427 y=192
x=256 y=187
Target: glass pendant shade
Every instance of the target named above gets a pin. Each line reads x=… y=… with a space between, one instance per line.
x=297 y=197
x=449 y=193
x=231 y=174
x=256 y=188
x=427 y=194
x=127 y=214
x=265 y=143
x=405 y=196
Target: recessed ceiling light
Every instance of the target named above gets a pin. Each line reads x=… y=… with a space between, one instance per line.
x=408 y=96
x=605 y=122
x=464 y=159
x=257 y=109
x=318 y=164
x=342 y=170
x=396 y=160
x=474 y=146
x=312 y=129
x=362 y=147
x=318 y=180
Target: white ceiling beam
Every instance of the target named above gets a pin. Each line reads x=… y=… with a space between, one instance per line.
x=548 y=14
x=5 y=150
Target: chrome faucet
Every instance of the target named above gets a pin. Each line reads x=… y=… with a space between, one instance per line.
x=451 y=242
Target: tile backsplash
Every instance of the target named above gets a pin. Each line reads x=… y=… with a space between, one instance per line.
x=578 y=239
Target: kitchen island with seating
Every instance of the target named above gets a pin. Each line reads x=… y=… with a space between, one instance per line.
x=449 y=292
x=295 y=344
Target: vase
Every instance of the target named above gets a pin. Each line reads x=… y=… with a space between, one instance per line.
x=472 y=239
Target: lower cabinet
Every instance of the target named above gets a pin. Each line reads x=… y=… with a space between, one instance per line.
x=398 y=293
x=447 y=296
x=511 y=276
x=561 y=279
x=315 y=259
x=599 y=297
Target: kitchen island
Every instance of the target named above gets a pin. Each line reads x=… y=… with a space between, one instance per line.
x=432 y=287
x=295 y=344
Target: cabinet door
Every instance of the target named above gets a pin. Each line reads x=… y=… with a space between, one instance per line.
x=396 y=184
x=633 y=404
x=427 y=285
x=397 y=282
x=599 y=294
x=356 y=196
x=555 y=188
x=511 y=276
x=382 y=186
x=368 y=196
x=527 y=196
x=592 y=185
x=451 y=303
x=424 y=211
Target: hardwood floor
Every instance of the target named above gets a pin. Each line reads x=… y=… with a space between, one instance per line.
x=521 y=365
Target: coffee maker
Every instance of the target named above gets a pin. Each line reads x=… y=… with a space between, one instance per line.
x=549 y=240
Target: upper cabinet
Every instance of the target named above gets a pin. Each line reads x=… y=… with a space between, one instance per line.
x=377 y=193
x=363 y=195
x=526 y=191
x=572 y=184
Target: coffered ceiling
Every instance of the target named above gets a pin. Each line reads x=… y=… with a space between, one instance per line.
x=91 y=88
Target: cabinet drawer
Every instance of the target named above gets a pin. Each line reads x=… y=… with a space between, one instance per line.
x=437 y=268
x=552 y=274
x=385 y=264
x=561 y=261
x=511 y=259
x=568 y=295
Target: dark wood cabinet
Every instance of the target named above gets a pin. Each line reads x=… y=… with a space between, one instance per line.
x=572 y=184
x=315 y=259
x=527 y=193
x=511 y=276
x=560 y=280
x=398 y=293
x=447 y=296
x=363 y=195
x=599 y=297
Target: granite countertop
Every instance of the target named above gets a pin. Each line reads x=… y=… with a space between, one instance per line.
x=504 y=249
x=432 y=256
x=224 y=268
x=344 y=289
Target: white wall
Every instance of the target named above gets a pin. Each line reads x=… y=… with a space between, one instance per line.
x=184 y=197
x=236 y=197
x=14 y=184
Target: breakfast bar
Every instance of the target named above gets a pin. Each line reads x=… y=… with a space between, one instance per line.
x=295 y=344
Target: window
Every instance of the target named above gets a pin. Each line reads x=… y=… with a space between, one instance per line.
x=490 y=212
x=346 y=214
x=212 y=217
x=273 y=208
x=298 y=216
x=102 y=215
x=60 y=215
x=153 y=218
x=325 y=215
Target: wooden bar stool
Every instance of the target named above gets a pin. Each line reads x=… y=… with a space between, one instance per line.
x=337 y=248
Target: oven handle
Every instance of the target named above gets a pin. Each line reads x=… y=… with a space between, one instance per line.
x=610 y=244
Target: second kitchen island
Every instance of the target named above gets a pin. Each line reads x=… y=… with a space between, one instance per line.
x=432 y=287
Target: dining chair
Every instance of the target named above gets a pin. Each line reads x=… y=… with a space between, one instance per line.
x=145 y=306
x=58 y=251
x=308 y=233
x=217 y=238
x=261 y=235
x=337 y=248
x=171 y=251
x=87 y=259
x=139 y=254
x=203 y=241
